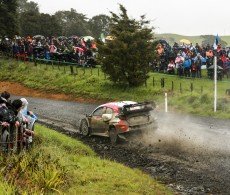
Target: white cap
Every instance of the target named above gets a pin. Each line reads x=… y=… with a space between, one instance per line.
x=24 y=101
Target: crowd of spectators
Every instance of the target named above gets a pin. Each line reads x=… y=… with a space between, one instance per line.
x=181 y=59
x=189 y=60
x=73 y=49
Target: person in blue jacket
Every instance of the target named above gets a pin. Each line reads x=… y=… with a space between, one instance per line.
x=187 y=67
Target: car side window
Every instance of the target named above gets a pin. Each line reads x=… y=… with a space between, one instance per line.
x=109 y=111
x=99 y=111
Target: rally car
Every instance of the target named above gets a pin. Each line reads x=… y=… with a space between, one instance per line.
x=117 y=118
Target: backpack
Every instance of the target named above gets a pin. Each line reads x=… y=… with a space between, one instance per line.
x=7 y=115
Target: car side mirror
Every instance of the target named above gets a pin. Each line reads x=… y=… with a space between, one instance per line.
x=106 y=117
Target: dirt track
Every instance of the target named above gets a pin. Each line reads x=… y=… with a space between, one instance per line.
x=188 y=154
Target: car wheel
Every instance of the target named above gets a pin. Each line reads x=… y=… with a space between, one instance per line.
x=84 y=128
x=113 y=135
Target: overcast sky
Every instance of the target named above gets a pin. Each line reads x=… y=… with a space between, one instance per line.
x=184 y=17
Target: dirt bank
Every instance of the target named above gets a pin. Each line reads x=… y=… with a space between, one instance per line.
x=19 y=89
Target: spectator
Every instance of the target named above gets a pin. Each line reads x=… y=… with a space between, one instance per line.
x=52 y=48
x=220 y=62
x=171 y=67
x=193 y=70
x=6 y=95
x=198 y=63
x=187 y=66
x=209 y=53
x=179 y=61
x=198 y=48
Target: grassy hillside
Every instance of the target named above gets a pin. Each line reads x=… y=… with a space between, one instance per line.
x=186 y=95
x=171 y=38
x=58 y=164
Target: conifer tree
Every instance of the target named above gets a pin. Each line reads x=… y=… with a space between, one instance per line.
x=126 y=58
x=8 y=18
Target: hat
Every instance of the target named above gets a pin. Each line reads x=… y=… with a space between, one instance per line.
x=24 y=101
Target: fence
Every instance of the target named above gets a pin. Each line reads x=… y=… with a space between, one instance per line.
x=12 y=140
x=158 y=81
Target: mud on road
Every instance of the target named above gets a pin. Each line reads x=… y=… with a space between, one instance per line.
x=190 y=155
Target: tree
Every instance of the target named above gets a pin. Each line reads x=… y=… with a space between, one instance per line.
x=73 y=23
x=8 y=18
x=50 y=25
x=99 y=24
x=29 y=18
x=126 y=58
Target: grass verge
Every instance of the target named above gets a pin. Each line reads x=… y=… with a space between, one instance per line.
x=58 y=164
x=186 y=95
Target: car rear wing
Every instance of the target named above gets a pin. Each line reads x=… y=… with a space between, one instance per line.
x=137 y=108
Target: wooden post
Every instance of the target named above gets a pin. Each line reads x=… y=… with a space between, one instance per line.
x=71 y=70
x=172 y=85
x=153 y=82
x=180 y=87
x=84 y=71
x=191 y=87
x=64 y=68
x=162 y=82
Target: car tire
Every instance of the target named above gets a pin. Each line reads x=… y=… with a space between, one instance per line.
x=84 y=127
x=113 y=135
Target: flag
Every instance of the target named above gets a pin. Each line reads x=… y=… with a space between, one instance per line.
x=215 y=44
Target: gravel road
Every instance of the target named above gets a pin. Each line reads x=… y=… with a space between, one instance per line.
x=190 y=155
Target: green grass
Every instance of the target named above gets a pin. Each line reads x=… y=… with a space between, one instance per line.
x=93 y=84
x=58 y=164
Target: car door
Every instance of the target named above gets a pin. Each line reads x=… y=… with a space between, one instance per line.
x=103 y=127
x=97 y=124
